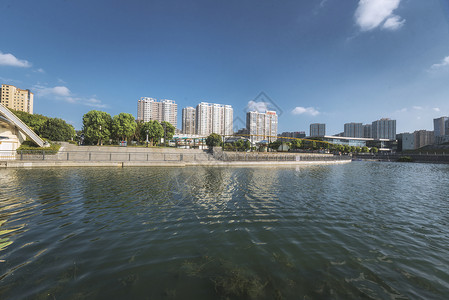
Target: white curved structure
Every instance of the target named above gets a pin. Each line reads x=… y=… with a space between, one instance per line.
x=13 y=132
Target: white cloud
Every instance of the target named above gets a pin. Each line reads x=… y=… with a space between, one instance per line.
x=7 y=59
x=9 y=80
x=299 y=110
x=59 y=91
x=444 y=63
x=64 y=94
x=323 y=3
x=93 y=102
x=417 y=107
x=257 y=106
x=371 y=14
x=437 y=109
x=40 y=70
x=394 y=22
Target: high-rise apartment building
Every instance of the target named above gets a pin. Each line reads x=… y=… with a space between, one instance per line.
x=353 y=130
x=423 y=138
x=317 y=129
x=149 y=109
x=441 y=126
x=441 y=130
x=415 y=140
x=384 y=129
x=213 y=118
x=17 y=99
x=188 y=120
x=262 y=126
x=367 y=131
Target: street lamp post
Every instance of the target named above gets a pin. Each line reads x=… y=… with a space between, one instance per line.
x=147 y=138
x=165 y=134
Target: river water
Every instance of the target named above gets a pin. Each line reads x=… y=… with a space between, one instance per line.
x=365 y=230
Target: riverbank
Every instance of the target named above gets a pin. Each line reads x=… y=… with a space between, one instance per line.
x=417 y=158
x=94 y=156
x=123 y=164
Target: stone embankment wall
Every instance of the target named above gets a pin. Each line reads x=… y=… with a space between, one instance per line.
x=428 y=158
x=70 y=156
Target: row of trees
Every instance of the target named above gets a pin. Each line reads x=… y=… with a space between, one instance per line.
x=99 y=126
x=319 y=145
x=239 y=145
x=214 y=140
x=53 y=129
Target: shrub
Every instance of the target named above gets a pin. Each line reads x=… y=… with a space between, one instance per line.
x=405 y=159
x=29 y=148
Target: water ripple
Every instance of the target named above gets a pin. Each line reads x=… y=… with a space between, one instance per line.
x=363 y=230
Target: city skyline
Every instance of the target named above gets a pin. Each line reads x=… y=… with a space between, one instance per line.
x=318 y=61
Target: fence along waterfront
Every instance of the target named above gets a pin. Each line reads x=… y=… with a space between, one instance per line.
x=30 y=155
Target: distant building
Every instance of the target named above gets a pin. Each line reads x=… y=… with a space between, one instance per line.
x=317 y=129
x=423 y=138
x=17 y=99
x=149 y=109
x=441 y=130
x=293 y=135
x=242 y=131
x=367 y=131
x=188 y=120
x=353 y=130
x=415 y=140
x=262 y=126
x=213 y=118
x=406 y=141
x=441 y=126
x=384 y=129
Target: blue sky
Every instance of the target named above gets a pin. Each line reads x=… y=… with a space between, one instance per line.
x=327 y=61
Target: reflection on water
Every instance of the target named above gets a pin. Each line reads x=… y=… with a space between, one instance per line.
x=363 y=230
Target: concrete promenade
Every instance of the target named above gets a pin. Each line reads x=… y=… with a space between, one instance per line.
x=94 y=156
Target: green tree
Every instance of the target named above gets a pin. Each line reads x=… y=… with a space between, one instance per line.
x=97 y=126
x=340 y=148
x=138 y=131
x=297 y=144
x=154 y=130
x=374 y=150
x=169 y=129
x=34 y=121
x=275 y=145
x=238 y=144
x=123 y=126
x=213 y=140
x=56 y=129
x=365 y=149
x=242 y=145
